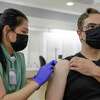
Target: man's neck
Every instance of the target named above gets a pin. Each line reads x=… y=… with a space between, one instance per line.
x=90 y=53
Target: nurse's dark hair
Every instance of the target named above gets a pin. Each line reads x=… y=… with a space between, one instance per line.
x=12 y=18
x=85 y=15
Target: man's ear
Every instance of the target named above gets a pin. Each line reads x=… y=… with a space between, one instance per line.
x=79 y=34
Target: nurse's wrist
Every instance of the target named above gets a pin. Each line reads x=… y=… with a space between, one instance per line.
x=35 y=84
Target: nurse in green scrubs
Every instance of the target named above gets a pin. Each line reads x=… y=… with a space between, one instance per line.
x=14 y=38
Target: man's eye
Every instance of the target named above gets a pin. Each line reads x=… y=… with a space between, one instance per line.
x=92 y=26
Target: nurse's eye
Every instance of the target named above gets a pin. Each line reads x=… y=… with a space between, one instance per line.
x=24 y=32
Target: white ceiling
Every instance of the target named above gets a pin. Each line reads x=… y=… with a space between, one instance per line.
x=44 y=19
x=59 y=5
x=38 y=24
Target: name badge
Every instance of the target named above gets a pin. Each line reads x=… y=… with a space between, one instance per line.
x=12 y=77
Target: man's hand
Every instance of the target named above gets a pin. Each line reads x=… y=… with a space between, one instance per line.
x=82 y=65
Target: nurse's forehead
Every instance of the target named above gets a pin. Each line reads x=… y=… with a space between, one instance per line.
x=23 y=29
x=93 y=18
x=24 y=26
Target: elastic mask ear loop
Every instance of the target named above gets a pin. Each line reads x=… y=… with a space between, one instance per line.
x=82 y=39
x=6 y=34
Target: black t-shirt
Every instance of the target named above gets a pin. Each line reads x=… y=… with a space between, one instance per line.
x=81 y=87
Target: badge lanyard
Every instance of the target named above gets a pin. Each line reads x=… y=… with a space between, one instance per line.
x=12 y=73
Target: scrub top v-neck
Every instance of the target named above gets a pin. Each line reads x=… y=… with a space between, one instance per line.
x=16 y=63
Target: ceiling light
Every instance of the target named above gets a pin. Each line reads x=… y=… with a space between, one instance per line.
x=70 y=3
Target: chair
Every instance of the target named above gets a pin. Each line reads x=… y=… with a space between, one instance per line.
x=42 y=61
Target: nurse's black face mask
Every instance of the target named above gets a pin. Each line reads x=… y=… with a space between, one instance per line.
x=93 y=35
x=21 y=42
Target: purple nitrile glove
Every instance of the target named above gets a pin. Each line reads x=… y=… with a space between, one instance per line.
x=44 y=73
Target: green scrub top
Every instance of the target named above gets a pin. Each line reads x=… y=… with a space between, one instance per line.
x=20 y=69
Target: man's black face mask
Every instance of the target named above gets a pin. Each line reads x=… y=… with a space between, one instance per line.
x=93 y=37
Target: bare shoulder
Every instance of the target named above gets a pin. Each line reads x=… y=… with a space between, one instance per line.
x=63 y=64
x=57 y=82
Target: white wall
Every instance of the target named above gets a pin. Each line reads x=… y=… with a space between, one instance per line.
x=61 y=42
x=50 y=44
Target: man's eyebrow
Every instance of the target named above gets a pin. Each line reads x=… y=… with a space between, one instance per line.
x=91 y=23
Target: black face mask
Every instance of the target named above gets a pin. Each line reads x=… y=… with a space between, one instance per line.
x=93 y=37
x=21 y=42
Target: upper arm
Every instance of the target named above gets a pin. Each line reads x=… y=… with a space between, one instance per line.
x=23 y=69
x=2 y=89
x=56 y=84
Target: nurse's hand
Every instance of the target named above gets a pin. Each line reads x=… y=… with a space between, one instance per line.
x=44 y=73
